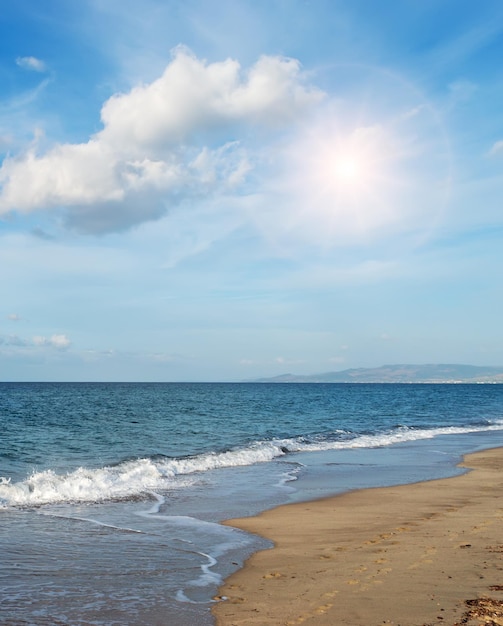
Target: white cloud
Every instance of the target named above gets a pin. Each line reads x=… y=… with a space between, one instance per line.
x=60 y=342
x=14 y=317
x=193 y=96
x=66 y=175
x=31 y=63
x=161 y=143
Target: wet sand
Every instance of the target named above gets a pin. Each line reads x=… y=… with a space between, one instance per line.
x=414 y=555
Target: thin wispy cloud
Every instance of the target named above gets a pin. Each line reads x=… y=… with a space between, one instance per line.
x=497 y=148
x=60 y=342
x=56 y=341
x=13 y=340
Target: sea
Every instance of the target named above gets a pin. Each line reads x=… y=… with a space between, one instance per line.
x=112 y=495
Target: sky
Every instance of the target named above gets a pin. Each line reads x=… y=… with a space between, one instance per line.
x=202 y=190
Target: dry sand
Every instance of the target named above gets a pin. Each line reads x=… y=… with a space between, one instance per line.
x=415 y=555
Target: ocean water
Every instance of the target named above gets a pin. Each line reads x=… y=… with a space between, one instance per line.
x=111 y=494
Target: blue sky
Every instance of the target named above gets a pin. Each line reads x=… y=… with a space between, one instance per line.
x=206 y=190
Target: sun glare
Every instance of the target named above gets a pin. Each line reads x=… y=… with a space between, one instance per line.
x=362 y=168
x=348 y=169
x=347 y=180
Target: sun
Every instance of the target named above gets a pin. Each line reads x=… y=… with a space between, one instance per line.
x=357 y=160
x=364 y=166
x=344 y=181
x=348 y=165
x=348 y=169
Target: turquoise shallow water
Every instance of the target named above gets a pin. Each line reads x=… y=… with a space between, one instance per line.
x=111 y=494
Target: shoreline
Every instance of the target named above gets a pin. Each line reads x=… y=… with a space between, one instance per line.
x=420 y=554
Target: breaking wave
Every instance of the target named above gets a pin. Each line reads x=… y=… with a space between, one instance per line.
x=138 y=478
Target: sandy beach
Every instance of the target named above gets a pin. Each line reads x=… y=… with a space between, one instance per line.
x=414 y=555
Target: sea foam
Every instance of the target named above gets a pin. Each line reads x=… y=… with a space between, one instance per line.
x=140 y=477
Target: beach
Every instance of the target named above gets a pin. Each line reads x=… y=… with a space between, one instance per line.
x=112 y=505
x=422 y=554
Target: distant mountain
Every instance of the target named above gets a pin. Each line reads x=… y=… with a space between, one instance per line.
x=399 y=374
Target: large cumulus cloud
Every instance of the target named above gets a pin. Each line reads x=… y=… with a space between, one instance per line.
x=161 y=143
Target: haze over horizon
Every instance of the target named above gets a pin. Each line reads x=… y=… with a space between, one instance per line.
x=233 y=190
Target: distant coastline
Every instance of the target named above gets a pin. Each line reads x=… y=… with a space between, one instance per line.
x=430 y=373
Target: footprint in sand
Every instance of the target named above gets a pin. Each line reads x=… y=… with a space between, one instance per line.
x=323 y=609
x=273 y=575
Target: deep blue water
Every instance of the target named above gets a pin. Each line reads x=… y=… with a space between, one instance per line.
x=111 y=494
